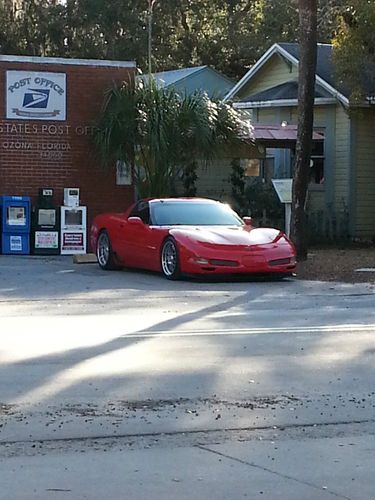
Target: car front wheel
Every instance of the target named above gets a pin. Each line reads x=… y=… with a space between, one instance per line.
x=104 y=253
x=170 y=264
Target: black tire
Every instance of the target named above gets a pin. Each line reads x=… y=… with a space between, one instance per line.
x=169 y=260
x=104 y=253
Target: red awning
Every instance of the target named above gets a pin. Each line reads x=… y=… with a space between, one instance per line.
x=278 y=135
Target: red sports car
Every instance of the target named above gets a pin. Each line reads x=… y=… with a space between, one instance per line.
x=189 y=236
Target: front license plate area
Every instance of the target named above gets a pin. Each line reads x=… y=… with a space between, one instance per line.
x=252 y=261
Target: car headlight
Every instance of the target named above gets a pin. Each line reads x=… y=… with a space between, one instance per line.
x=200 y=260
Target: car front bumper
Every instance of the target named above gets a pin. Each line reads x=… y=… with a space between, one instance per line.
x=265 y=259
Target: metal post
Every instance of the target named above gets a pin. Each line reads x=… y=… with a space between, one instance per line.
x=150 y=5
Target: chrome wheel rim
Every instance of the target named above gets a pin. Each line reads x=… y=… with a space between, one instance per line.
x=102 y=251
x=169 y=258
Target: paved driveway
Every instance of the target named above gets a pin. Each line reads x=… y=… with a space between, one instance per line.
x=124 y=381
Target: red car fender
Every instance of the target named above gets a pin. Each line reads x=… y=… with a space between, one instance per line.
x=100 y=223
x=94 y=234
x=184 y=241
x=186 y=246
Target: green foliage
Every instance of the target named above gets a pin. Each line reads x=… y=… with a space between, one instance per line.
x=237 y=180
x=161 y=132
x=254 y=196
x=262 y=199
x=227 y=34
x=355 y=46
x=189 y=179
x=30 y=27
x=329 y=12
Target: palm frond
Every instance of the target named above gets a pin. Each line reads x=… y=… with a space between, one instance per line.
x=160 y=131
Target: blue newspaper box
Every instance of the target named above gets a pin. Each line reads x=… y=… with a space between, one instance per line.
x=15 y=224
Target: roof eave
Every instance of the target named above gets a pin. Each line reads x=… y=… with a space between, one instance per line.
x=276 y=48
x=158 y=76
x=266 y=56
x=199 y=69
x=281 y=102
x=335 y=93
x=67 y=61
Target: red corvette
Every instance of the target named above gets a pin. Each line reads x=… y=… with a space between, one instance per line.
x=189 y=236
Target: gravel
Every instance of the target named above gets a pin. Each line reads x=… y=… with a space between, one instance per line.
x=333 y=264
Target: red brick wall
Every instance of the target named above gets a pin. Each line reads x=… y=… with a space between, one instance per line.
x=23 y=171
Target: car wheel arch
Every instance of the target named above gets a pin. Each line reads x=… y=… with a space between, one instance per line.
x=111 y=261
x=177 y=273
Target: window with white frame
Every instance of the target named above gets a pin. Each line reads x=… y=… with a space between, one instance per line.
x=317 y=160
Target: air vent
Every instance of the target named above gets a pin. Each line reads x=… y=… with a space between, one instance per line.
x=226 y=263
x=279 y=262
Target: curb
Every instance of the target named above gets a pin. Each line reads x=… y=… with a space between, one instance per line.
x=88 y=258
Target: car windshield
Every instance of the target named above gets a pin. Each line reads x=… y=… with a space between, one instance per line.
x=187 y=213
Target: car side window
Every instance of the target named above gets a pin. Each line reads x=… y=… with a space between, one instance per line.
x=144 y=214
x=141 y=210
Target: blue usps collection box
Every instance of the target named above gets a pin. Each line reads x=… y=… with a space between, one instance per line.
x=15 y=224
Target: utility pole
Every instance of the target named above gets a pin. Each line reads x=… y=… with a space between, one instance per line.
x=150 y=7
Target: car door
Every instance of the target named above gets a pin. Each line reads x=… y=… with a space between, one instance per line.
x=138 y=247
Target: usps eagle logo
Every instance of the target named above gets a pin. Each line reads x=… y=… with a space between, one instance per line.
x=34 y=102
x=36 y=98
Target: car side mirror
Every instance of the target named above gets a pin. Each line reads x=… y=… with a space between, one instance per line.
x=135 y=221
x=248 y=221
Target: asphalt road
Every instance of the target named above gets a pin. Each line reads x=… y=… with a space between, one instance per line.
x=125 y=385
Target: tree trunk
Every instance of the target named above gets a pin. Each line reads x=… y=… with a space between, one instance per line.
x=306 y=91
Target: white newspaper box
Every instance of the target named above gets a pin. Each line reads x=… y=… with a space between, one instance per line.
x=73 y=230
x=283 y=188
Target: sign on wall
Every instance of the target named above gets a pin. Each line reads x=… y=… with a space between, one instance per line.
x=34 y=95
x=123 y=174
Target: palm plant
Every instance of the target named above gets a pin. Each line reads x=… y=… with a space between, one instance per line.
x=160 y=132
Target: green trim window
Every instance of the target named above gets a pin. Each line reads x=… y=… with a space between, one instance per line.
x=259 y=167
x=251 y=167
x=317 y=161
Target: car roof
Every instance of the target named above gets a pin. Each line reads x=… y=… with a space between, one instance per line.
x=176 y=200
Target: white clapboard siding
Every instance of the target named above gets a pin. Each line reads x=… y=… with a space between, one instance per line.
x=365 y=174
x=342 y=159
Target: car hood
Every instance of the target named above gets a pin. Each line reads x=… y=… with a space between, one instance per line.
x=217 y=235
